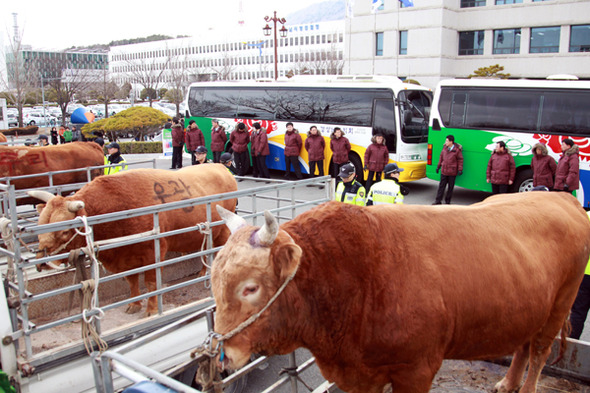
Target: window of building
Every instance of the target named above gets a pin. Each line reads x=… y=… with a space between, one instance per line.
x=472 y=3
x=580 y=38
x=545 y=39
x=506 y=41
x=500 y=2
x=403 y=42
x=471 y=42
x=379 y=44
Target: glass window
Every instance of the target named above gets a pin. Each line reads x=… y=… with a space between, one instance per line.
x=384 y=122
x=378 y=44
x=580 y=38
x=471 y=42
x=414 y=110
x=500 y=2
x=403 y=42
x=472 y=3
x=301 y=105
x=257 y=103
x=545 y=39
x=566 y=112
x=506 y=41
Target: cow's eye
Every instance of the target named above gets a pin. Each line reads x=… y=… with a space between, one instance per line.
x=249 y=290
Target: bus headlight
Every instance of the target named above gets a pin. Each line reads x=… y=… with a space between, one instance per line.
x=410 y=157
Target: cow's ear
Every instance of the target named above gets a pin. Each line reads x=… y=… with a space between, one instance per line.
x=40 y=207
x=287 y=259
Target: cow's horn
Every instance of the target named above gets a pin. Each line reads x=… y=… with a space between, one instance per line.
x=74 y=206
x=232 y=220
x=41 y=195
x=268 y=233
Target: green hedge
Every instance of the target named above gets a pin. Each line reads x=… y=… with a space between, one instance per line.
x=138 y=147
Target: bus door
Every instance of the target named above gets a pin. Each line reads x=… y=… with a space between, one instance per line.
x=384 y=122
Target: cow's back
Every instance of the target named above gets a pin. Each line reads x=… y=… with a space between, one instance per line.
x=24 y=160
x=476 y=280
x=146 y=187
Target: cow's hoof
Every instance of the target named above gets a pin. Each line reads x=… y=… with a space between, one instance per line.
x=149 y=313
x=500 y=388
x=133 y=308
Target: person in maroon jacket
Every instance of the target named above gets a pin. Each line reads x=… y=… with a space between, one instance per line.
x=193 y=139
x=451 y=162
x=239 y=139
x=567 y=174
x=376 y=157
x=544 y=167
x=177 y=143
x=260 y=151
x=340 y=147
x=501 y=169
x=218 y=140
x=315 y=146
x=292 y=149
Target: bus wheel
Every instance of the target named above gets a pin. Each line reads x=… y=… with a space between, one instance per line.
x=523 y=181
x=358 y=165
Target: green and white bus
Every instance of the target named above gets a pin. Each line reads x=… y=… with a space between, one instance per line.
x=481 y=112
x=360 y=105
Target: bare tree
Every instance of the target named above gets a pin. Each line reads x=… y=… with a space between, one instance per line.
x=73 y=82
x=179 y=80
x=326 y=61
x=225 y=68
x=22 y=75
x=149 y=71
x=105 y=90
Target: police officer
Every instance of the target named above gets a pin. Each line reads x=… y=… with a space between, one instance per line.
x=227 y=160
x=389 y=190
x=114 y=158
x=349 y=190
x=201 y=155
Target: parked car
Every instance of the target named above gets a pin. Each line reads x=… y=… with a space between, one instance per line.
x=37 y=118
x=12 y=120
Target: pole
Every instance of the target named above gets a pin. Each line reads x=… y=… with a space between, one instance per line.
x=275 y=45
x=43 y=97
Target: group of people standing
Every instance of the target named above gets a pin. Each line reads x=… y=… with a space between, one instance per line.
x=65 y=135
x=501 y=170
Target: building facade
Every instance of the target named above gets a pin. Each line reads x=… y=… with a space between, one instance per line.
x=51 y=64
x=232 y=54
x=440 y=39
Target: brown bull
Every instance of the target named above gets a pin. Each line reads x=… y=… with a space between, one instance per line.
x=381 y=295
x=133 y=189
x=24 y=160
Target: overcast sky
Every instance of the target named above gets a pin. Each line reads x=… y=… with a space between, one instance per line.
x=60 y=24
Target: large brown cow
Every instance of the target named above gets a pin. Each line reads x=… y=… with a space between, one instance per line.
x=381 y=295
x=24 y=160
x=132 y=189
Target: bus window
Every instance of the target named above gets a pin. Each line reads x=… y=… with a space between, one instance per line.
x=257 y=104
x=195 y=99
x=458 y=110
x=303 y=105
x=495 y=109
x=414 y=109
x=384 y=122
x=219 y=103
x=346 y=107
x=566 y=112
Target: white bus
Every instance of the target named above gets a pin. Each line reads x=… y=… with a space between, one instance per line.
x=481 y=112
x=360 y=105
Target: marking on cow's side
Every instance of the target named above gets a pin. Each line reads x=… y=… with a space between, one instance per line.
x=9 y=159
x=173 y=188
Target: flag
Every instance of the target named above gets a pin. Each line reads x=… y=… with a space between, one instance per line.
x=377 y=4
x=349 y=6
x=407 y=3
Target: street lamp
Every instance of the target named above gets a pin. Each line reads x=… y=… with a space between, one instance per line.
x=283 y=32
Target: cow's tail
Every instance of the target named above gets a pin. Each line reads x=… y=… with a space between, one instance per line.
x=565 y=332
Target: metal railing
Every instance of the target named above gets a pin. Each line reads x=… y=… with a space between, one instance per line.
x=21 y=231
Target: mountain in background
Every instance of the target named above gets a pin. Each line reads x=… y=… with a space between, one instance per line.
x=319 y=12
